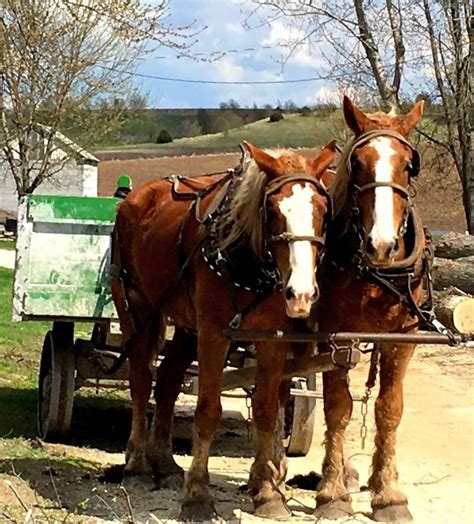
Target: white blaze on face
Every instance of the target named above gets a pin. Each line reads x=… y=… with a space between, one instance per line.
x=383 y=231
x=298 y=211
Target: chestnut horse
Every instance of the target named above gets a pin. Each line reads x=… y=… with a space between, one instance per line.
x=375 y=253
x=269 y=219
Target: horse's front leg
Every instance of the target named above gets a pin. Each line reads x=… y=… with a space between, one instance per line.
x=388 y=502
x=332 y=499
x=212 y=351
x=179 y=354
x=267 y=475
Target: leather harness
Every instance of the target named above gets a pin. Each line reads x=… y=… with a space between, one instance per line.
x=400 y=277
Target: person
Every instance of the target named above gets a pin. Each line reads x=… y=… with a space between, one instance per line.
x=124 y=186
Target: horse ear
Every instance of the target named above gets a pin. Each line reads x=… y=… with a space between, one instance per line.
x=267 y=163
x=356 y=119
x=410 y=120
x=320 y=164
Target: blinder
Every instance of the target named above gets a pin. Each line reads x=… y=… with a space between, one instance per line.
x=415 y=165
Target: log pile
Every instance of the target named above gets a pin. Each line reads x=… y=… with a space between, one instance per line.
x=453 y=275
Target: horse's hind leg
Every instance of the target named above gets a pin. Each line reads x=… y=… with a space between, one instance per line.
x=212 y=351
x=388 y=502
x=179 y=353
x=267 y=476
x=140 y=359
x=332 y=499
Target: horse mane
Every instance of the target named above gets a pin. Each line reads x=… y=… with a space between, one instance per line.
x=242 y=220
x=338 y=189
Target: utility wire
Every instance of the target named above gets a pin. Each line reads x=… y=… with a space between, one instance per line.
x=228 y=82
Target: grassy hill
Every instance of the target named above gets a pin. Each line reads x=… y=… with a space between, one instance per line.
x=144 y=125
x=294 y=130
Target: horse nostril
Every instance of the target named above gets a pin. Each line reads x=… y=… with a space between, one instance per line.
x=289 y=293
x=393 y=250
x=315 y=296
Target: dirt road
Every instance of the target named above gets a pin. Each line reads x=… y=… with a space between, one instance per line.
x=435 y=458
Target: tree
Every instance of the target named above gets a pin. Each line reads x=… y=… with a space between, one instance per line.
x=231 y=104
x=204 y=120
x=390 y=47
x=63 y=66
x=275 y=116
x=164 y=137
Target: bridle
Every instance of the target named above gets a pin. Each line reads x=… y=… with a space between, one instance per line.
x=274 y=186
x=404 y=191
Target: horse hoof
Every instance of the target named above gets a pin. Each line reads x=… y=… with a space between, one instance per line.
x=198 y=510
x=395 y=513
x=333 y=510
x=275 y=509
x=351 y=479
x=174 y=481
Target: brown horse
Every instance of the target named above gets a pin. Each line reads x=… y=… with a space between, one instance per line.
x=265 y=227
x=375 y=253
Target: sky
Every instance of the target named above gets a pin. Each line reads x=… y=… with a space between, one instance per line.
x=223 y=23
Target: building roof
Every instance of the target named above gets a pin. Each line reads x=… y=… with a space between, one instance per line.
x=69 y=144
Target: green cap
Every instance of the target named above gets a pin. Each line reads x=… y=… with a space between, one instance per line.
x=124 y=181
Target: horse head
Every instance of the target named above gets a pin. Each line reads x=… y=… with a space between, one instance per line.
x=380 y=164
x=296 y=207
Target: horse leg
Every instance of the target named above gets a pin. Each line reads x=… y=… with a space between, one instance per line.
x=388 y=502
x=180 y=353
x=268 y=471
x=212 y=351
x=332 y=499
x=280 y=458
x=140 y=357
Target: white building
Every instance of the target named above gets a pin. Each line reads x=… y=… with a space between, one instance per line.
x=77 y=175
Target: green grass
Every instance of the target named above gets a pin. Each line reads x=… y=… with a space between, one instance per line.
x=293 y=131
x=20 y=342
x=7 y=244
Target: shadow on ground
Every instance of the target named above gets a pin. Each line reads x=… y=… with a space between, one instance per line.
x=74 y=486
x=104 y=424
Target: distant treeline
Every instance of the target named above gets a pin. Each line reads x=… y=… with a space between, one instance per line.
x=141 y=125
x=145 y=125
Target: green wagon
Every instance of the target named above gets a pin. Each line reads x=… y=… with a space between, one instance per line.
x=61 y=275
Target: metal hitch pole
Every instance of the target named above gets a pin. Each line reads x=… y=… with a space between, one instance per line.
x=347 y=336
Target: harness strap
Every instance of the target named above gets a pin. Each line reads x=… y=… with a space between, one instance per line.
x=374 y=185
x=288 y=237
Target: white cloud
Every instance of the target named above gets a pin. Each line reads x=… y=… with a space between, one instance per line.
x=226 y=69
x=288 y=37
x=325 y=95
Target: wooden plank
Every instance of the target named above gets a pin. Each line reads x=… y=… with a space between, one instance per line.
x=294 y=367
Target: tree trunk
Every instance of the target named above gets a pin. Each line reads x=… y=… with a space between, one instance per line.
x=455 y=245
x=455 y=309
x=457 y=273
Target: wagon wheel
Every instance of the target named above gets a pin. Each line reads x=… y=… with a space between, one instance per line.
x=56 y=382
x=299 y=419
